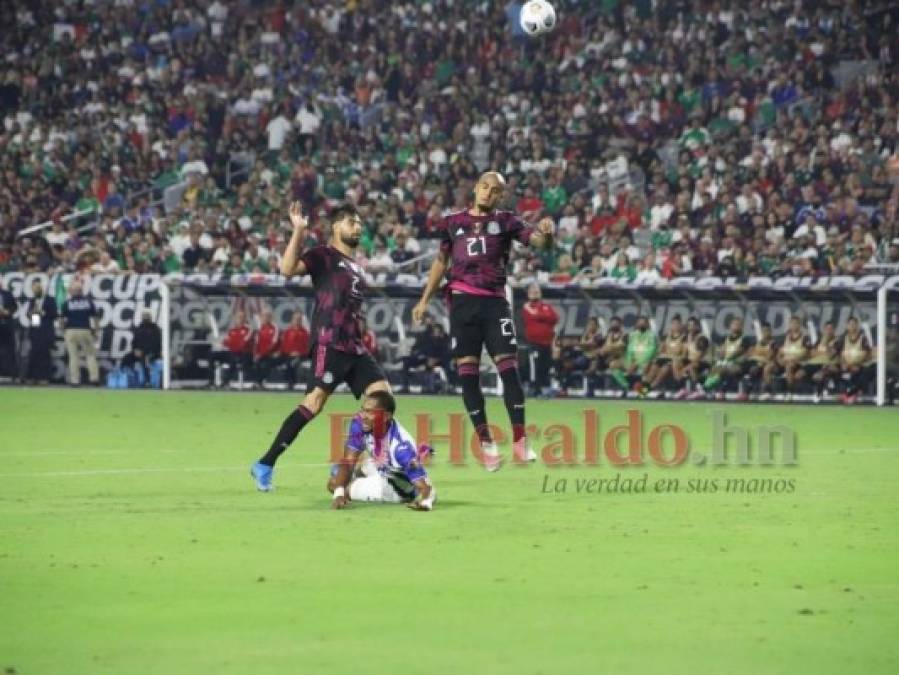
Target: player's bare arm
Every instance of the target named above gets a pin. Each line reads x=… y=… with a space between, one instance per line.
x=424 y=499
x=291 y=265
x=342 y=479
x=542 y=237
x=435 y=277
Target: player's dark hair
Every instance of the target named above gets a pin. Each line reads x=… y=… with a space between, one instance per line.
x=766 y=324
x=342 y=211
x=828 y=323
x=676 y=317
x=385 y=400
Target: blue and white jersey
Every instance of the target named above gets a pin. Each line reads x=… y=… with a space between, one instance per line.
x=396 y=452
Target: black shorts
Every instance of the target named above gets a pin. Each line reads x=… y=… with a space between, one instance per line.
x=477 y=321
x=330 y=367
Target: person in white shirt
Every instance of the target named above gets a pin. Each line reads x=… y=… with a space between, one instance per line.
x=278 y=128
x=195 y=167
x=812 y=227
x=308 y=120
x=749 y=200
x=660 y=211
x=56 y=234
x=648 y=273
x=380 y=260
x=218 y=14
x=105 y=265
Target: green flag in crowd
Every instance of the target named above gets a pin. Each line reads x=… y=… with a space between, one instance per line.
x=60 y=292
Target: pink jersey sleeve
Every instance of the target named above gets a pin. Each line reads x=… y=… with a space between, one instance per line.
x=519 y=230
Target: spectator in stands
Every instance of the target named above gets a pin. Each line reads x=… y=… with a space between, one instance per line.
x=105 y=265
x=754 y=122
x=146 y=347
x=624 y=269
x=81 y=325
x=539 y=319
x=195 y=254
x=380 y=260
x=294 y=347
x=41 y=314
x=265 y=347
x=648 y=272
x=404 y=248
x=8 y=308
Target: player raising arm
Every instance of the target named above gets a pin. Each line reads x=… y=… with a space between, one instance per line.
x=338 y=353
x=474 y=249
x=390 y=469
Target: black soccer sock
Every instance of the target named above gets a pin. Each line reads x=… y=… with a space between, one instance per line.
x=290 y=429
x=473 y=397
x=513 y=395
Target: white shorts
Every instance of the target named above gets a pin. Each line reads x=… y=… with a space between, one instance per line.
x=374 y=488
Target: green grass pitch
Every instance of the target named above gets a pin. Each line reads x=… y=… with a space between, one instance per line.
x=132 y=542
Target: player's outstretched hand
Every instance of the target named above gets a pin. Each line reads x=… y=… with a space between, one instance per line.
x=339 y=502
x=418 y=506
x=418 y=312
x=297 y=219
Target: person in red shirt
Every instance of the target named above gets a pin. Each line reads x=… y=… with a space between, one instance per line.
x=238 y=350
x=369 y=339
x=540 y=319
x=294 y=347
x=530 y=205
x=265 y=347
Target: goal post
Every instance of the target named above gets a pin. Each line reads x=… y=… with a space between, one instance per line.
x=887 y=345
x=165 y=327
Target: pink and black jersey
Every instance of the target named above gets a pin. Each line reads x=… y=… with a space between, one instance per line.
x=479 y=248
x=339 y=290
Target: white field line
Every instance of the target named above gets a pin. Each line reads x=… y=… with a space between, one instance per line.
x=245 y=467
x=144 y=470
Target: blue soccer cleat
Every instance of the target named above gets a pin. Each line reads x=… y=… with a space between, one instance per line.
x=262 y=474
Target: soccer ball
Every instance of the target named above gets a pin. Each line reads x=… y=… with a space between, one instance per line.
x=537 y=17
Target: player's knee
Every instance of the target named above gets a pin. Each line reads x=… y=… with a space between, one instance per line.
x=468 y=367
x=315 y=401
x=506 y=364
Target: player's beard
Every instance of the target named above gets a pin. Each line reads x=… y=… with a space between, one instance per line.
x=350 y=240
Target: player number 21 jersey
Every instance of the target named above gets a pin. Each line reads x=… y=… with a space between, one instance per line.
x=478 y=247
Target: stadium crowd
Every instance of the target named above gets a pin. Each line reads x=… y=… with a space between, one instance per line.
x=768 y=147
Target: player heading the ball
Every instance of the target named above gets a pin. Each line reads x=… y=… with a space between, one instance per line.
x=474 y=249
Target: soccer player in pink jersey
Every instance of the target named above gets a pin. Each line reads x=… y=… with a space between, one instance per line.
x=474 y=248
